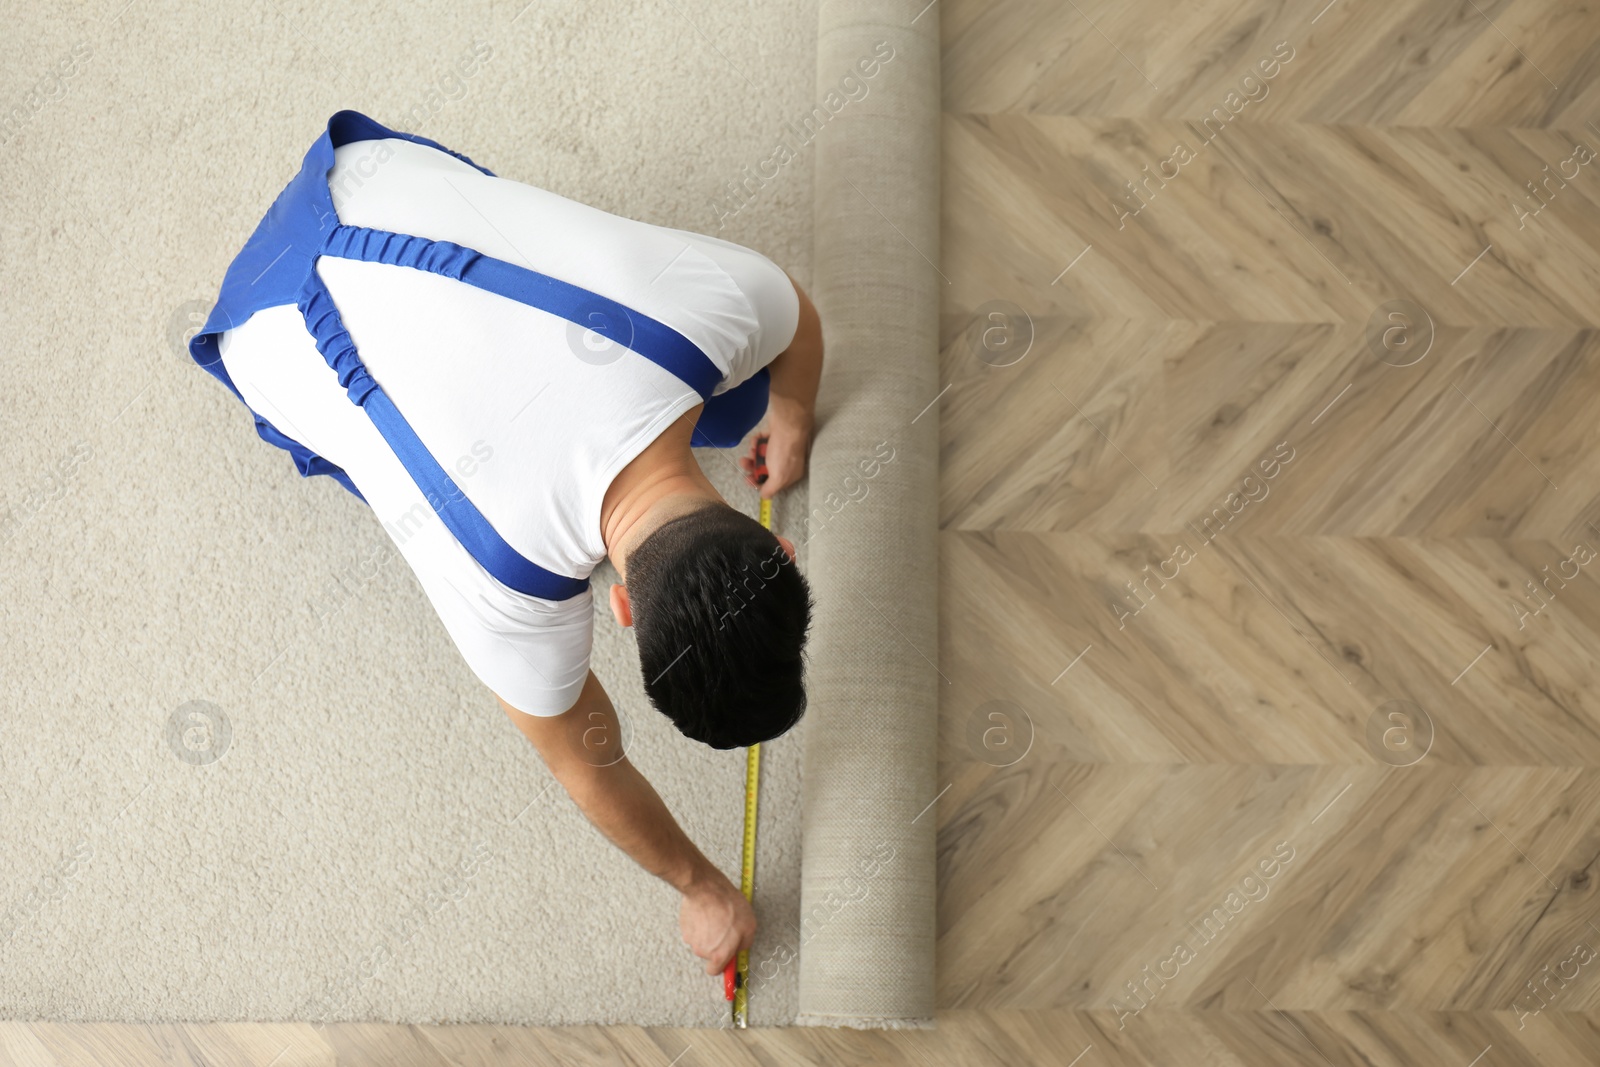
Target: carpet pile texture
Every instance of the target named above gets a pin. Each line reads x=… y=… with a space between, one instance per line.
x=243 y=772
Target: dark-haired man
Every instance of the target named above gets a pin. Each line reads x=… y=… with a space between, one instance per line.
x=513 y=381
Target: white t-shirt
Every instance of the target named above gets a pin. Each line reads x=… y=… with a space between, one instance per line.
x=530 y=415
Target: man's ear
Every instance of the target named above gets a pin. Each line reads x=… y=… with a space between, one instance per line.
x=620 y=606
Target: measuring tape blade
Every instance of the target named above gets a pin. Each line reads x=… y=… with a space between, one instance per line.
x=747 y=875
x=747 y=860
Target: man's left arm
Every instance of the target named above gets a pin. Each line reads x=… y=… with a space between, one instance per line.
x=583 y=749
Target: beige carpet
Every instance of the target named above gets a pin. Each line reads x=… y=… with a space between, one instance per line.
x=360 y=833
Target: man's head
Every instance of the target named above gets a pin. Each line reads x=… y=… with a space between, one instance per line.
x=721 y=614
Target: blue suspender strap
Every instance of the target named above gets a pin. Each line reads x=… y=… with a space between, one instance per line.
x=459 y=514
x=269 y=270
x=650 y=338
x=278 y=266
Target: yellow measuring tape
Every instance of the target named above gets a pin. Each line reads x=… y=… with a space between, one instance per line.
x=747 y=861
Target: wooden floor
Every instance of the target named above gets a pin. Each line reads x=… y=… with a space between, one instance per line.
x=1269 y=563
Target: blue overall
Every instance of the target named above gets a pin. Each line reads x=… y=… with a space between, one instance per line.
x=278 y=266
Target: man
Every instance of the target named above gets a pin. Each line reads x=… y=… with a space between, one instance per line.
x=513 y=381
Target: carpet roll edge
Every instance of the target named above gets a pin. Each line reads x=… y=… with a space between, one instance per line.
x=869 y=757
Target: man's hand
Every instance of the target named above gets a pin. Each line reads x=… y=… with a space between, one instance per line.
x=716 y=921
x=583 y=749
x=777 y=458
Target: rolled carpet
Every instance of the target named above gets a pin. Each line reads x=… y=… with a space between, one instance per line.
x=867 y=866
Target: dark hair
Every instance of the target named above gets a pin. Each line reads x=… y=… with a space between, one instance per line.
x=721 y=616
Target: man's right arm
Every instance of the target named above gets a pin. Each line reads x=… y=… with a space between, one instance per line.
x=583 y=749
x=797 y=370
x=795 y=374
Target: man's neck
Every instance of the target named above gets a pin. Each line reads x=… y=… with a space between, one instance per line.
x=659 y=484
